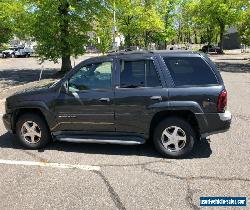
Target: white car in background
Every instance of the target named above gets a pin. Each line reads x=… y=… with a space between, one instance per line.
x=10 y=53
x=15 y=52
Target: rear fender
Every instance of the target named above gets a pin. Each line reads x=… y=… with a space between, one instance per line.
x=190 y=106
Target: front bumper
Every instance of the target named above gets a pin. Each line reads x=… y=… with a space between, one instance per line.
x=215 y=123
x=7 y=122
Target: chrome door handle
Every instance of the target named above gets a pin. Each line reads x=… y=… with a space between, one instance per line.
x=104 y=99
x=159 y=98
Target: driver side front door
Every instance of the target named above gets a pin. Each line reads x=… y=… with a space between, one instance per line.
x=89 y=104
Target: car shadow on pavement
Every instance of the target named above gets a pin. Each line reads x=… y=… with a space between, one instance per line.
x=22 y=76
x=202 y=149
x=233 y=67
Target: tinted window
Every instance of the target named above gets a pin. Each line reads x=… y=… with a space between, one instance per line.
x=190 y=71
x=139 y=74
x=95 y=76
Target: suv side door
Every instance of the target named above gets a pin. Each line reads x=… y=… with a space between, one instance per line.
x=88 y=105
x=139 y=86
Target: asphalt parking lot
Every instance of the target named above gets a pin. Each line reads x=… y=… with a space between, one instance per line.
x=90 y=176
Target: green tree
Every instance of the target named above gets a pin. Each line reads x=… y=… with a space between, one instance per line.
x=150 y=22
x=158 y=22
x=220 y=13
x=103 y=28
x=11 y=14
x=103 y=33
x=194 y=25
x=208 y=19
x=244 y=24
x=141 y=21
x=128 y=14
x=61 y=27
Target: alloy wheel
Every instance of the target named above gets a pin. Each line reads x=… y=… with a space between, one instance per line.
x=173 y=138
x=31 y=132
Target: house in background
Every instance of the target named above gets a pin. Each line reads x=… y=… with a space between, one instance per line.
x=232 y=39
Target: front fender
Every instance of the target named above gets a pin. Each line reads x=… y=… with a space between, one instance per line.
x=40 y=105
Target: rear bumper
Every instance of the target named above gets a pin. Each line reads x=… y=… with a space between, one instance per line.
x=226 y=116
x=214 y=123
x=7 y=122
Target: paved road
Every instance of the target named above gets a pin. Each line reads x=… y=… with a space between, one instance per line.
x=129 y=177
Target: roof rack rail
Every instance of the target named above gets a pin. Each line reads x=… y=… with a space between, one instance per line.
x=128 y=51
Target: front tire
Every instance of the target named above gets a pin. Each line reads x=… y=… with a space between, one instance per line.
x=174 y=137
x=32 y=131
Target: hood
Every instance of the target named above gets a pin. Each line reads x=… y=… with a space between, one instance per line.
x=33 y=90
x=7 y=51
x=31 y=94
x=27 y=92
x=39 y=88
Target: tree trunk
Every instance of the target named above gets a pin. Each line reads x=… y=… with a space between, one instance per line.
x=222 y=30
x=209 y=36
x=128 y=41
x=146 y=43
x=179 y=33
x=195 y=37
x=66 y=63
x=64 y=36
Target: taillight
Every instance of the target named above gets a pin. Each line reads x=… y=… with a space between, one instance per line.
x=222 y=101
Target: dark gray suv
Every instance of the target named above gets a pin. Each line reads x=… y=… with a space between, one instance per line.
x=170 y=98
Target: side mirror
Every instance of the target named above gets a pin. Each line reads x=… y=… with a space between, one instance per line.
x=65 y=87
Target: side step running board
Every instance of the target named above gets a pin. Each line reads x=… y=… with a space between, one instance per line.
x=129 y=140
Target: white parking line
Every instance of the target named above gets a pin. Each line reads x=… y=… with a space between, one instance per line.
x=52 y=165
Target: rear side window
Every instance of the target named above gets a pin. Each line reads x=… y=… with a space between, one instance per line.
x=138 y=74
x=190 y=71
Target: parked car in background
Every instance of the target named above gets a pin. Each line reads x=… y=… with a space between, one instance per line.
x=10 y=53
x=211 y=48
x=15 y=52
x=23 y=52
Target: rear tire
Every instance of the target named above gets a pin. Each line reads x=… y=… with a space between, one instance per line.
x=32 y=131
x=174 y=138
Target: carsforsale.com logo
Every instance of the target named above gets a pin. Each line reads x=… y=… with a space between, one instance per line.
x=223 y=201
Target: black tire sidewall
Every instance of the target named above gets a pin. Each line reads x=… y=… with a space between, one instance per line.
x=184 y=126
x=45 y=134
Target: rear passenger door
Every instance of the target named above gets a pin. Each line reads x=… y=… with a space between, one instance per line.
x=138 y=87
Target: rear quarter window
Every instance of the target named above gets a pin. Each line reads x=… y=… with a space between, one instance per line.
x=192 y=71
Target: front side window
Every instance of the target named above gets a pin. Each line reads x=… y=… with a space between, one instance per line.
x=138 y=74
x=90 y=77
x=190 y=71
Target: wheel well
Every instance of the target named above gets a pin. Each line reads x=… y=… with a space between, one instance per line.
x=186 y=115
x=19 y=112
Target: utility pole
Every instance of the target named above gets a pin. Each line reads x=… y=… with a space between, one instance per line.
x=114 y=29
